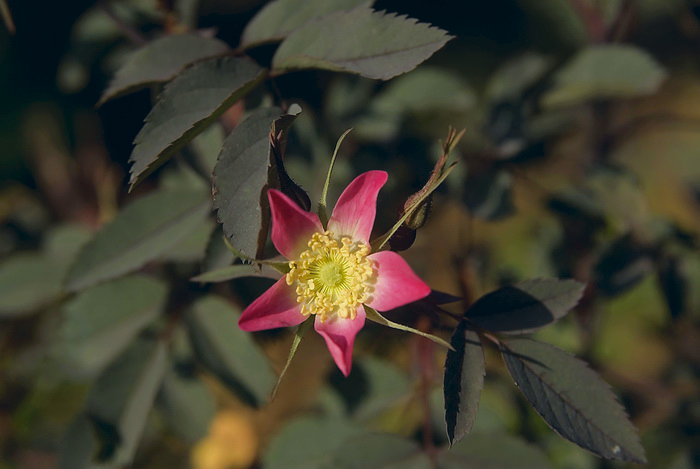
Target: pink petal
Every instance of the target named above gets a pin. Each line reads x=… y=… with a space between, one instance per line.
x=292 y=227
x=277 y=307
x=397 y=284
x=339 y=335
x=356 y=208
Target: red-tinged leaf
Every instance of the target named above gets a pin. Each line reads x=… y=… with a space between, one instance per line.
x=463 y=382
x=526 y=306
x=572 y=399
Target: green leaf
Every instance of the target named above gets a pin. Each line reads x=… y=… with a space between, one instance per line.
x=240 y=177
x=488 y=193
x=140 y=233
x=29 y=281
x=371 y=450
x=373 y=315
x=279 y=18
x=237 y=271
x=122 y=397
x=32 y=280
x=101 y=321
x=308 y=443
x=193 y=247
x=187 y=106
x=427 y=89
x=159 y=61
x=78 y=445
x=604 y=72
x=526 y=306
x=572 y=399
x=493 y=451
x=463 y=382
x=229 y=352
x=188 y=404
x=385 y=386
x=362 y=41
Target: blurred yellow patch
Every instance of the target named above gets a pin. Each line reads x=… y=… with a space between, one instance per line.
x=232 y=443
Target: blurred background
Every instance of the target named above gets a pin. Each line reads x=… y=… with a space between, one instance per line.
x=581 y=159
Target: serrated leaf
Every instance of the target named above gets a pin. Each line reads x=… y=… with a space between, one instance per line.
x=159 y=61
x=237 y=271
x=101 y=321
x=372 y=450
x=526 y=306
x=188 y=104
x=572 y=399
x=463 y=382
x=279 y=18
x=493 y=451
x=240 y=176
x=229 y=352
x=140 y=233
x=122 y=397
x=603 y=72
x=362 y=41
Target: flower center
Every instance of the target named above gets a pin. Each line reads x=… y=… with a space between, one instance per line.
x=333 y=276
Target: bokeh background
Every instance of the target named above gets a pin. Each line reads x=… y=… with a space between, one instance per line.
x=587 y=169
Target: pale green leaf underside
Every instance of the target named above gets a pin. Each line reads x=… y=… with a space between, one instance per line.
x=159 y=61
x=101 y=321
x=227 y=350
x=362 y=41
x=140 y=233
x=609 y=71
x=124 y=393
x=572 y=399
x=189 y=103
x=279 y=18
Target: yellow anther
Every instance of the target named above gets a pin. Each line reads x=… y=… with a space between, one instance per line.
x=333 y=276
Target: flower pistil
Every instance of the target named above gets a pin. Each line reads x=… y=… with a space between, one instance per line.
x=333 y=276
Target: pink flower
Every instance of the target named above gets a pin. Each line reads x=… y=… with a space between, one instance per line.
x=332 y=273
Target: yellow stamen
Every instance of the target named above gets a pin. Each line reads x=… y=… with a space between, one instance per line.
x=333 y=276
